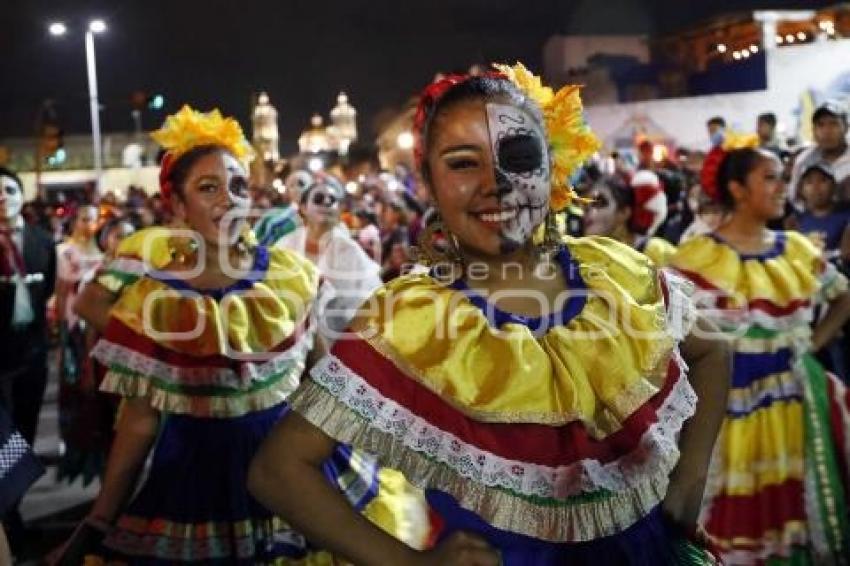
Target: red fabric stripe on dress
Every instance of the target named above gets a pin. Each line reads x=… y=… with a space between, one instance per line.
x=533 y=443
x=770 y=509
x=763 y=305
x=119 y=333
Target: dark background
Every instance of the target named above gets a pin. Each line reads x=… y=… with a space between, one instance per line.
x=302 y=52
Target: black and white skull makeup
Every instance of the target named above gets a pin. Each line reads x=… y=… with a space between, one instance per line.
x=322 y=201
x=522 y=172
x=11 y=198
x=238 y=198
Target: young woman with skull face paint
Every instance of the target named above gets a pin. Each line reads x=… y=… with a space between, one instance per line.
x=539 y=437
x=214 y=334
x=777 y=481
x=630 y=215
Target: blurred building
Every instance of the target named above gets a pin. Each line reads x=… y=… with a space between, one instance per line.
x=343 y=128
x=127 y=160
x=265 y=133
x=723 y=55
x=665 y=86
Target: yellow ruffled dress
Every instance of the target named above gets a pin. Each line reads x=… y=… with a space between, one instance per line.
x=550 y=437
x=659 y=250
x=219 y=365
x=777 y=487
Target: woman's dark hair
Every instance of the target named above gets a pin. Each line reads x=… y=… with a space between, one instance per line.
x=181 y=167
x=367 y=216
x=736 y=165
x=623 y=195
x=476 y=87
x=716 y=121
x=12 y=175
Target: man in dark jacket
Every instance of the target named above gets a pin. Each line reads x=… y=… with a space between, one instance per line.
x=27 y=275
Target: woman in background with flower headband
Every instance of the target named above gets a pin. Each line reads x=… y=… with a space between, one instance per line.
x=206 y=340
x=777 y=489
x=542 y=435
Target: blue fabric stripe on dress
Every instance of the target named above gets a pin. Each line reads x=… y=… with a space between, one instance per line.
x=749 y=368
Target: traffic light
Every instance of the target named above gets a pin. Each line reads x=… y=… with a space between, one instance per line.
x=141 y=100
x=156 y=102
x=52 y=144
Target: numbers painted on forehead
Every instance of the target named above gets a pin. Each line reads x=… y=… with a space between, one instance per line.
x=517 y=118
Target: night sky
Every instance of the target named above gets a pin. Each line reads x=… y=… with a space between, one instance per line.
x=217 y=52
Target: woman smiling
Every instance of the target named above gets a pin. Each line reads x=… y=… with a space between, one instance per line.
x=542 y=411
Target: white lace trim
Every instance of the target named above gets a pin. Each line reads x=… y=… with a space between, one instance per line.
x=111 y=354
x=655 y=455
x=777 y=386
x=681 y=310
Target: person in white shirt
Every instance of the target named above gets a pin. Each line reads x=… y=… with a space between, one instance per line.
x=343 y=264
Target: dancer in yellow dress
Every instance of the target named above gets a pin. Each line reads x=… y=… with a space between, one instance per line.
x=207 y=337
x=542 y=435
x=777 y=491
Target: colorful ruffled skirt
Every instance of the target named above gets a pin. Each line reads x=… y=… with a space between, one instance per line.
x=777 y=487
x=652 y=541
x=195 y=506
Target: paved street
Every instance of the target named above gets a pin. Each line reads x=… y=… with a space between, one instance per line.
x=50 y=508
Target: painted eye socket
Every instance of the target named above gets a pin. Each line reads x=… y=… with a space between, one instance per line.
x=239 y=187
x=520 y=153
x=599 y=202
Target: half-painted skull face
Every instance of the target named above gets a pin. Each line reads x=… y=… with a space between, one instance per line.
x=522 y=172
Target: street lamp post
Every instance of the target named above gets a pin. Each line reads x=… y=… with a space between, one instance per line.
x=94 y=107
x=95 y=26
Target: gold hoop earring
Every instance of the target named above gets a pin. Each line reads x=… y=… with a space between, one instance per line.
x=552 y=237
x=438 y=249
x=183 y=249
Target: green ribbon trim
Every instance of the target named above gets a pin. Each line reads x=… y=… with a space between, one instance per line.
x=125 y=277
x=821 y=459
x=760 y=333
x=201 y=390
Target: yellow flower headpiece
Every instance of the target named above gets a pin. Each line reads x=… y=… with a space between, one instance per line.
x=571 y=141
x=734 y=140
x=189 y=128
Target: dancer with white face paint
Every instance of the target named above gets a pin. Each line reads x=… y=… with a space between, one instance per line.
x=27 y=275
x=521 y=162
x=213 y=333
x=525 y=406
x=352 y=275
x=630 y=213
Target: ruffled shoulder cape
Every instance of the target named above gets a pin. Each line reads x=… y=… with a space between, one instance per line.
x=565 y=434
x=217 y=353
x=775 y=289
x=659 y=250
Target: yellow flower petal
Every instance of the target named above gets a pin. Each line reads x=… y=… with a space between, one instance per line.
x=189 y=128
x=570 y=139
